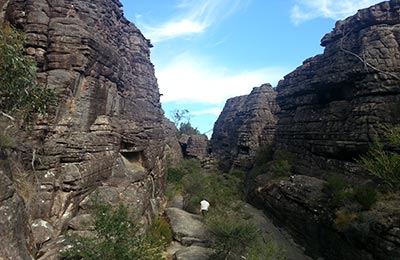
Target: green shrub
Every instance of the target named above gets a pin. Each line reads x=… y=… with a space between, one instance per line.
x=339 y=189
x=237 y=173
x=266 y=251
x=280 y=168
x=384 y=163
x=218 y=189
x=344 y=220
x=231 y=235
x=174 y=175
x=116 y=237
x=5 y=140
x=160 y=230
x=19 y=91
x=366 y=196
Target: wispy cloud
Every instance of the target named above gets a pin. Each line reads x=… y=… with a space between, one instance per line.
x=193 y=17
x=211 y=111
x=334 y=9
x=189 y=78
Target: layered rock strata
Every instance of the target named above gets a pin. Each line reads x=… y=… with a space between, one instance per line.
x=301 y=206
x=245 y=124
x=194 y=146
x=332 y=108
x=336 y=103
x=106 y=131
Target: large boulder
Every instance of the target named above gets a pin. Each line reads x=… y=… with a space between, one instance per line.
x=187 y=228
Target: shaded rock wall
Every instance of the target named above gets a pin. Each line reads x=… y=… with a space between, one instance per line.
x=302 y=207
x=335 y=103
x=194 y=146
x=245 y=124
x=106 y=130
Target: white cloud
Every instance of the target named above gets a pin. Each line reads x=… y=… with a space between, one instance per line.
x=306 y=10
x=193 y=79
x=194 y=17
x=211 y=111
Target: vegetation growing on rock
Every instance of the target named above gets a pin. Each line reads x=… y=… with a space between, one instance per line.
x=116 y=236
x=19 y=92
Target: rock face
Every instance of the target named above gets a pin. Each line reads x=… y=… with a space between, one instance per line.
x=105 y=132
x=173 y=149
x=194 y=146
x=335 y=103
x=245 y=124
x=301 y=206
x=332 y=107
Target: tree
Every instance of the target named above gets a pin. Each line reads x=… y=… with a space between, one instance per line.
x=180 y=115
x=187 y=128
x=181 y=120
x=19 y=92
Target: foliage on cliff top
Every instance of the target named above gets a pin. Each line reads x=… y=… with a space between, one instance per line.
x=19 y=92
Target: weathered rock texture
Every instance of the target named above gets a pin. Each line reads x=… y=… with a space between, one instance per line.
x=302 y=207
x=173 y=149
x=194 y=146
x=245 y=124
x=331 y=109
x=335 y=103
x=106 y=131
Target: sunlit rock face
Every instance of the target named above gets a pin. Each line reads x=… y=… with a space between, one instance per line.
x=245 y=124
x=335 y=103
x=106 y=131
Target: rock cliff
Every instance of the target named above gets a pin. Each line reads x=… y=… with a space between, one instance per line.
x=335 y=103
x=332 y=107
x=194 y=146
x=105 y=133
x=245 y=124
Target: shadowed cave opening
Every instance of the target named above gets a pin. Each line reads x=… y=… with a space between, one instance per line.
x=133 y=161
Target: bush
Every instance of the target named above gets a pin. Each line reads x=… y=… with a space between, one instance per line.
x=385 y=163
x=160 y=230
x=231 y=235
x=218 y=189
x=117 y=237
x=19 y=92
x=343 y=193
x=344 y=220
x=366 y=196
x=266 y=251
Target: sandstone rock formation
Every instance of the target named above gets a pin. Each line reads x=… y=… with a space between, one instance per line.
x=194 y=146
x=245 y=124
x=302 y=207
x=335 y=103
x=106 y=131
x=332 y=107
x=173 y=149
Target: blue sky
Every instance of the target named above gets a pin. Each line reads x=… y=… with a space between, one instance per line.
x=206 y=51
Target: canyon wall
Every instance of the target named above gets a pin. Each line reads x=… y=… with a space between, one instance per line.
x=245 y=124
x=335 y=104
x=331 y=109
x=105 y=134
